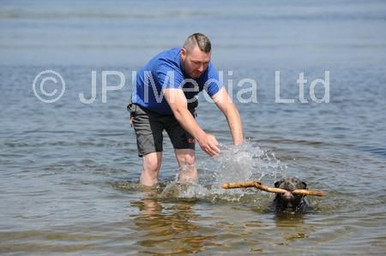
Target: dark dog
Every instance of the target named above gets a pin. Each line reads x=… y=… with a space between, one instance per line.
x=289 y=201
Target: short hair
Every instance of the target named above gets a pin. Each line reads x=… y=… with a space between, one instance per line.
x=200 y=40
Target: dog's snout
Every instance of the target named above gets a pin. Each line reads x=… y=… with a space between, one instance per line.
x=288 y=195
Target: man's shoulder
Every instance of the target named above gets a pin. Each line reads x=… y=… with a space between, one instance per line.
x=169 y=55
x=168 y=60
x=165 y=59
x=171 y=52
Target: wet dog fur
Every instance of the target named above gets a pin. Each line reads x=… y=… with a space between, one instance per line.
x=288 y=201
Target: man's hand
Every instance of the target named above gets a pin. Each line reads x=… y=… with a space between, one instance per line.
x=209 y=144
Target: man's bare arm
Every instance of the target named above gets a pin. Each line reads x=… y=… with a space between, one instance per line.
x=226 y=105
x=178 y=103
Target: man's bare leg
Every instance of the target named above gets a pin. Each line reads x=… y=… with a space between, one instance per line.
x=150 y=168
x=186 y=159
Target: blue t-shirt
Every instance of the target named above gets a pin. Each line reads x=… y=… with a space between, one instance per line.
x=164 y=71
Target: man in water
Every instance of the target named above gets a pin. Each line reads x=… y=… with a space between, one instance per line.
x=164 y=98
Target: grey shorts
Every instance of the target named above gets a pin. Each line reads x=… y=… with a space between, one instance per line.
x=148 y=127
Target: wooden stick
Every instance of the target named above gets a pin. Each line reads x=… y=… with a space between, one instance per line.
x=307 y=192
x=257 y=184
x=271 y=190
x=242 y=184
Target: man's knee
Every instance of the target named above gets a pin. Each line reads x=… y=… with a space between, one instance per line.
x=189 y=159
x=186 y=156
x=152 y=162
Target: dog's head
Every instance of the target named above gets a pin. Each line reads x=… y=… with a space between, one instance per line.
x=290 y=184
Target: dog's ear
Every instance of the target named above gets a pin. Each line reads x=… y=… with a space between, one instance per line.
x=277 y=183
x=304 y=185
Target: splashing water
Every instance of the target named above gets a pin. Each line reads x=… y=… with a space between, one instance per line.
x=235 y=163
x=241 y=163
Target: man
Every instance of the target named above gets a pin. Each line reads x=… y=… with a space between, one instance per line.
x=164 y=98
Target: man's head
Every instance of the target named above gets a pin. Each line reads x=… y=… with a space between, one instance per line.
x=195 y=55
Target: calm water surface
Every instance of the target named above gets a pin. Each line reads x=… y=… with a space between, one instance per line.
x=69 y=171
